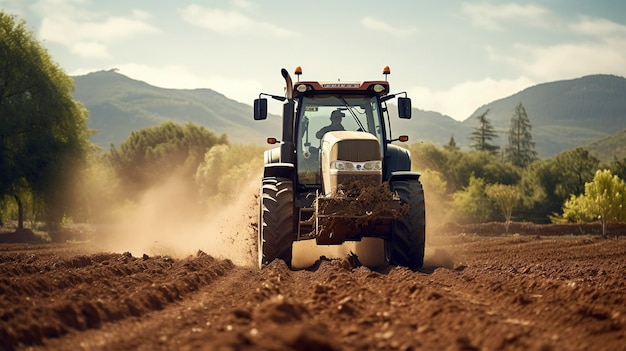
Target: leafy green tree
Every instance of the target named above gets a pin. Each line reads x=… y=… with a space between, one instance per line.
x=506 y=197
x=153 y=154
x=521 y=149
x=98 y=191
x=428 y=156
x=546 y=184
x=618 y=167
x=482 y=135
x=472 y=204
x=225 y=168
x=43 y=133
x=456 y=167
x=481 y=164
x=538 y=190
x=604 y=199
x=576 y=167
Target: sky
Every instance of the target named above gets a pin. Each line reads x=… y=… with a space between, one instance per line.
x=450 y=56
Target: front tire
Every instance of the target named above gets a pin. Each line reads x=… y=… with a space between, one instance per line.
x=275 y=237
x=409 y=232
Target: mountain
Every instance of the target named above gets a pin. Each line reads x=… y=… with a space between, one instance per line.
x=609 y=148
x=429 y=126
x=563 y=114
x=118 y=105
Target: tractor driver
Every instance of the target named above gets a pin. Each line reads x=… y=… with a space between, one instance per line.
x=335 y=124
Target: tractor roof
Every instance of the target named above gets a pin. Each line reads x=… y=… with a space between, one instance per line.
x=377 y=87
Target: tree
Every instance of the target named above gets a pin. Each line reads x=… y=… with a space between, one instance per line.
x=225 y=168
x=618 y=167
x=483 y=135
x=576 y=167
x=506 y=197
x=604 y=199
x=481 y=164
x=546 y=184
x=537 y=190
x=521 y=149
x=43 y=133
x=452 y=146
x=471 y=203
x=152 y=154
x=427 y=155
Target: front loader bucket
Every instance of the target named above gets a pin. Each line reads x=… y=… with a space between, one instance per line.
x=371 y=252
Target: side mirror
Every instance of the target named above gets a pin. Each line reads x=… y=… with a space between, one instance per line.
x=404 y=107
x=260 y=109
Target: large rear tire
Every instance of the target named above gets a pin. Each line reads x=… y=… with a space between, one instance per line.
x=275 y=237
x=409 y=232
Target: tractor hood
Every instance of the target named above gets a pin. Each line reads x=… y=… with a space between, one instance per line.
x=348 y=155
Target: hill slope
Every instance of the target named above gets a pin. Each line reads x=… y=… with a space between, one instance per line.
x=119 y=104
x=429 y=126
x=564 y=114
x=610 y=148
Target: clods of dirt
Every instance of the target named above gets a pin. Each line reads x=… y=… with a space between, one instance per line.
x=477 y=293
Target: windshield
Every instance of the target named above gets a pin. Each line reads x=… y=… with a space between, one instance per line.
x=324 y=113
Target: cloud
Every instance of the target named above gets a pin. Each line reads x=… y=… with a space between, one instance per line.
x=598 y=27
x=380 y=26
x=571 y=60
x=245 y=5
x=84 y=32
x=461 y=100
x=491 y=16
x=90 y=50
x=229 y=22
x=596 y=46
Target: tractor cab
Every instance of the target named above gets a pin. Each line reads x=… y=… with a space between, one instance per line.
x=318 y=115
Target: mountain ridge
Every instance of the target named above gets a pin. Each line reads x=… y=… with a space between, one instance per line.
x=558 y=111
x=119 y=105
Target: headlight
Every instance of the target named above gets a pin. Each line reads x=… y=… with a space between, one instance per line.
x=356 y=166
x=373 y=165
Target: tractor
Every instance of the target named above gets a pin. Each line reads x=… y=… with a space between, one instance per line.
x=336 y=183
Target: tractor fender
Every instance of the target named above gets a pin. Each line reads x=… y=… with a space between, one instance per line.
x=396 y=159
x=271 y=155
x=404 y=175
x=279 y=170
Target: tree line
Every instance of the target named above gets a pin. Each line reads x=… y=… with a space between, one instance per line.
x=489 y=184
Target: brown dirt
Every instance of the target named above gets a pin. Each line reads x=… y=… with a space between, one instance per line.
x=475 y=292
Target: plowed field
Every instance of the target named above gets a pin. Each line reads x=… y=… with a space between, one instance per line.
x=474 y=293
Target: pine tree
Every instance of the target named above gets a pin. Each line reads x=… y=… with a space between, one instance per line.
x=452 y=146
x=483 y=135
x=521 y=149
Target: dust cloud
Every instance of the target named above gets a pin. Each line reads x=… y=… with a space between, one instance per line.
x=438 y=213
x=169 y=221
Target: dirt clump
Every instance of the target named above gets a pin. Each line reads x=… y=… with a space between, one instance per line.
x=514 y=292
x=357 y=204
